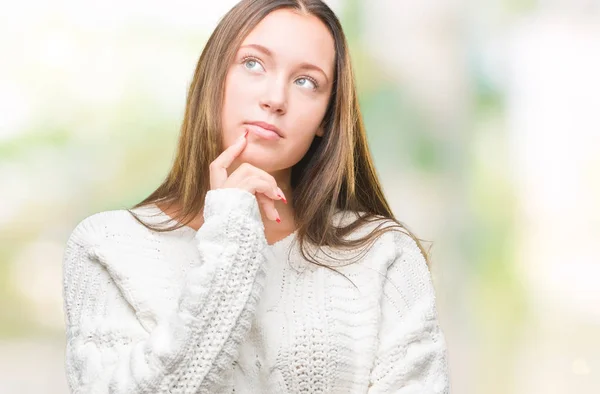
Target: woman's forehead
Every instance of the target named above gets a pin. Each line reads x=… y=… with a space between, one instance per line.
x=294 y=37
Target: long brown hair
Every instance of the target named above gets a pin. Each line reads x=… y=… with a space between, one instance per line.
x=337 y=172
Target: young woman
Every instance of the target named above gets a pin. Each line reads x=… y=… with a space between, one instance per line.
x=239 y=274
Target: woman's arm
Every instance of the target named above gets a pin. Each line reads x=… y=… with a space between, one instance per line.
x=108 y=351
x=412 y=355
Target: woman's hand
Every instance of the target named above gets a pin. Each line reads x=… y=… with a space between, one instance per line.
x=247 y=177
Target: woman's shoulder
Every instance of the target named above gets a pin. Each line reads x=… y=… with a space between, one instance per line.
x=111 y=224
x=391 y=243
x=342 y=218
x=396 y=243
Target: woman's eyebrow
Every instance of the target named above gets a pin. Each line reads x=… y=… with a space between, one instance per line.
x=268 y=52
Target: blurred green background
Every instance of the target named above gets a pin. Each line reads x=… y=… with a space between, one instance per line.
x=482 y=117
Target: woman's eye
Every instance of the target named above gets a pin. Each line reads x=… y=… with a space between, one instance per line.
x=251 y=64
x=305 y=81
x=254 y=65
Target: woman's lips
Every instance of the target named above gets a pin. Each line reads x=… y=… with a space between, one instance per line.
x=263 y=133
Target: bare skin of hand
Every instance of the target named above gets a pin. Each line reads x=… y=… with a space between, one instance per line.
x=246 y=177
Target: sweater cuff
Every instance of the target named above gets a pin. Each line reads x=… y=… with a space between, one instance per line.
x=226 y=201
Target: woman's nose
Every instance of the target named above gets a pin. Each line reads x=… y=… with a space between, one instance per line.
x=274 y=98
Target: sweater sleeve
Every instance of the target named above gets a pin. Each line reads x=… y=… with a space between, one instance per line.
x=412 y=355
x=192 y=350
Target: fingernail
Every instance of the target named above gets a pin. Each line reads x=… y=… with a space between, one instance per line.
x=281 y=195
x=278 y=220
x=242 y=137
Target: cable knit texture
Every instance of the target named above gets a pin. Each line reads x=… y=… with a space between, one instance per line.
x=219 y=310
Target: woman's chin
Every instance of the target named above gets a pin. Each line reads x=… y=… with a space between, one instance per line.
x=261 y=160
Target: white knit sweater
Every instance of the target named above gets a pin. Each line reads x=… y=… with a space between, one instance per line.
x=218 y=310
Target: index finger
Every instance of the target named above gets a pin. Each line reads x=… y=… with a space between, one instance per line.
x=218 y=175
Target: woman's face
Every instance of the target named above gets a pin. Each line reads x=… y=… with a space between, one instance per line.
x=281 y=75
